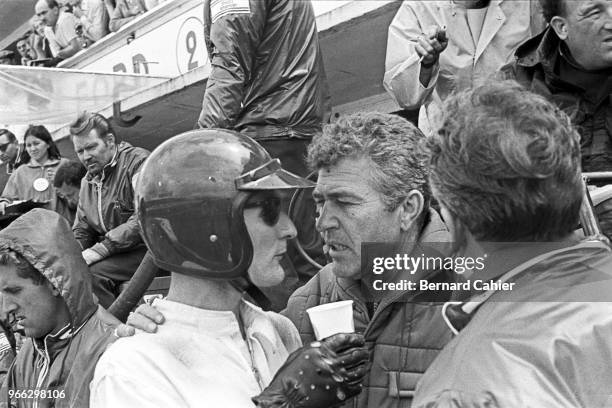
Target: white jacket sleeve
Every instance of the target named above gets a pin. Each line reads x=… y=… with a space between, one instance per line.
x=402 y=66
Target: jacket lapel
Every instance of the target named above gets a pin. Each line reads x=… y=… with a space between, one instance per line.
x=494 y=20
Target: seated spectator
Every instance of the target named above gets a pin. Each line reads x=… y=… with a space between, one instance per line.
x=435 y=48
x=34 y=179
x=105 y=224
x=571 y=65
x=123 y=11
x=210 y=210
x=506 y=172
x=26 y=52
x=9 y=152
x=93 y=16
x=6 y=57
x=40 y=43
x=60 y=30
x=45 y=287
x=67 y=183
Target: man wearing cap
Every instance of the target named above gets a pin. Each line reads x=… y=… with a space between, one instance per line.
x=105 y=223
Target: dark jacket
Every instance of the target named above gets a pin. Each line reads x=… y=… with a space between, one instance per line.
x=404 y=335
x=536 y=68
x=105 y=213
x=267 y=69
x=63 y=363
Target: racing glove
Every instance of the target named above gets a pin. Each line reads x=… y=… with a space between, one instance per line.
x=323 y=374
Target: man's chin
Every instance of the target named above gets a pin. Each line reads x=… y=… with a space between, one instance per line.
x=342 y=270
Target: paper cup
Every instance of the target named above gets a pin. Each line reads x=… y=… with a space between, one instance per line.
x=332 y=318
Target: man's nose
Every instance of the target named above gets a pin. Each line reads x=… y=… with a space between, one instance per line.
x=7 y=306
x=286 y=227
x=326 y=220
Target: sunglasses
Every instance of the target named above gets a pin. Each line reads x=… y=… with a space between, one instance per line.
x=270 y=209
x=4 y=146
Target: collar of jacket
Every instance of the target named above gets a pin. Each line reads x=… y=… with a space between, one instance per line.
x=544 y=50
x=34 y=164
x=108 y=168
x=55 y=342
x=457 y=314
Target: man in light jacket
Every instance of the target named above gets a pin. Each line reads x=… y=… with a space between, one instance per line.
x=437 y=47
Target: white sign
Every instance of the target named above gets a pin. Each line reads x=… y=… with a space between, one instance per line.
x=168 y=49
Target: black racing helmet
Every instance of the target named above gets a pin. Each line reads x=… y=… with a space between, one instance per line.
x=190 y=197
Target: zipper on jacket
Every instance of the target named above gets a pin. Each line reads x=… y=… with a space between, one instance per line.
x=98 y=185
x=44 y=371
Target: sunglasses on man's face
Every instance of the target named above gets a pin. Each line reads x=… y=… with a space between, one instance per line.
x=270 y=208
x=4 y=146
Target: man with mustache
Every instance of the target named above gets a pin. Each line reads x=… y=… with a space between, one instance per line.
x=105 y=224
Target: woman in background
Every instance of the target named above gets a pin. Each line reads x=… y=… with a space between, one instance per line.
x=34 y=179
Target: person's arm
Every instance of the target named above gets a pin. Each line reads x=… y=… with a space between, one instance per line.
x=83 y=233
x=234 y=39
x=127 y=235
x=66 y=30
x=53 y=45
x=322 y=374
x=11 y=192
x=411 y=64
x=95 y=22
x=37 y=46
x=73 y=47
x=118 y=20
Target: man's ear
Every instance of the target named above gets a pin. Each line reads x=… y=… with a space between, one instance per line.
x=53 y=289
x=411 y=209
x=559 y=24
x=110 y=139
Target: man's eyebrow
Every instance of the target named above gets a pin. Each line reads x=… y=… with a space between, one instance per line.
x=586 y=8
x=337 y=192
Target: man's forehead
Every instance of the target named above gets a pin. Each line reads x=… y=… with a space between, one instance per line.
x=8 y=273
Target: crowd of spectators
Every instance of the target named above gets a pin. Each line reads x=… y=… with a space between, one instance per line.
x=61 y=28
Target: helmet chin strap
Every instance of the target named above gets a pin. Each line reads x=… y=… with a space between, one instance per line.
x=253 y=292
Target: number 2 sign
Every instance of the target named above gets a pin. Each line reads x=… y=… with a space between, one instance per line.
x=190 y=48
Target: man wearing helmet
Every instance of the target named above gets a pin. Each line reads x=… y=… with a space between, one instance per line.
x=209 y=208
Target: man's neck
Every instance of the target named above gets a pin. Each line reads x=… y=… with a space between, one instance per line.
x=209 y=294
x=472 y=4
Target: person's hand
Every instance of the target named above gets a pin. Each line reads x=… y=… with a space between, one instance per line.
x=431 y=44
x=323 y=374
x=145 y=318
x=91 y=256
